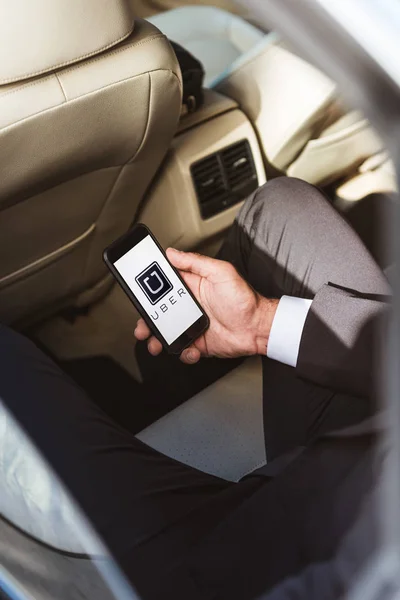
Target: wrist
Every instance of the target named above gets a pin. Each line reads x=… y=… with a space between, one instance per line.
x=263 y=318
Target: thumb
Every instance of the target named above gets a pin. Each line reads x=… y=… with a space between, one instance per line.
x=190 y=355
x=204 y=266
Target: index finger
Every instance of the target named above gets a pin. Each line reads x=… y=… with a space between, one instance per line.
x=204 y=266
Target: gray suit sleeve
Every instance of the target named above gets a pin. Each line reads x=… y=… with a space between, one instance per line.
x=339 y=341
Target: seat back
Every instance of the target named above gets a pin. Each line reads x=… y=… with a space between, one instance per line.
x=89 y=101
x=303 y=130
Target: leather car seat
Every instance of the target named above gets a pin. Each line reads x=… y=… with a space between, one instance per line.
x=216 y=37
x=302 y=128
x=89 y=102
x=377 y=175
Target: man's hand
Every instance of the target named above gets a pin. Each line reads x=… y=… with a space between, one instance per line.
x=240 y=319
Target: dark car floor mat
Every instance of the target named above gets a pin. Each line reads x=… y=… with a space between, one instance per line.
x=167 y=383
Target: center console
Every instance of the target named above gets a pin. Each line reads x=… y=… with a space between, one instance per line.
x=213 y=164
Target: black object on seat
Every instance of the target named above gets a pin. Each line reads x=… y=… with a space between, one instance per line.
x=192 y=78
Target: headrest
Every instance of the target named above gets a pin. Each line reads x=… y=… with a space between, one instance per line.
x=37 y=36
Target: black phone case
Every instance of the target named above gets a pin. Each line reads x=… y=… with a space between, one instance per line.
x=132 y=297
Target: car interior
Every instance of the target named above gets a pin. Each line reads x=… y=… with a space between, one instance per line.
x=95 y=138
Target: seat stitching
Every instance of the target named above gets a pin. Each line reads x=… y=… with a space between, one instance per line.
x=68 y=62
x=90 y=251
x=108 y=166
x=27 y=85
x=118 y=51
x=122 y=169
x=62 y=89
x=121 y=81
x=146 y=128
x=41 y=262
x=127 y=47
x=77 y=64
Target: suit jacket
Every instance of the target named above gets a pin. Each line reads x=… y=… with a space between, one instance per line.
x=341 y=337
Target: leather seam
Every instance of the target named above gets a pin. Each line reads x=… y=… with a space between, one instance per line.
x=146 y=128
x=44 y=261
x=339 y=137
x=62 y=89
x=8 y=205
x=122 y=169
x=109 y=195
x=118 y=51
x=128 y=47
x=27 y=85
x=57 y=106
x=69 y=62
x=280 y=147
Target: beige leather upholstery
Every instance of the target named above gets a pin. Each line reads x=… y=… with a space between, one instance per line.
x=283 y=95
x=376 y=175
x=79 y=144
x=337 y=151
x=294 y=107
x=35 y=36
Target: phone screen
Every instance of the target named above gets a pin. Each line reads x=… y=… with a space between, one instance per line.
x=157 y=288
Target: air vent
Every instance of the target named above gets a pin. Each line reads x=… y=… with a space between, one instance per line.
x=224 y=178
x=239 y=165
x=208 y=178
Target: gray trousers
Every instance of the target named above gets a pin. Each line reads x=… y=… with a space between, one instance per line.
x=177 y=532
x=289 y=240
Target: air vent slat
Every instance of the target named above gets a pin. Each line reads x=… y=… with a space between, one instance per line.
x=208 y=179
x=238 y=181
x=238 y=163
x=207 y=169
x=224 y=178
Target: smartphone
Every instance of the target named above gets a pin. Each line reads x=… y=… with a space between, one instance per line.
x=142 y=269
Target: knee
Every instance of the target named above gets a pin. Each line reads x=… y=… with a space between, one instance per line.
x=289 y=196
x=283 y=204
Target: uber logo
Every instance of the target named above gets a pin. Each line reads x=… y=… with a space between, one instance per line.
x=154 y=283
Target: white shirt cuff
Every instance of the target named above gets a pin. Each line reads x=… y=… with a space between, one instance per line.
x=287 y=329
